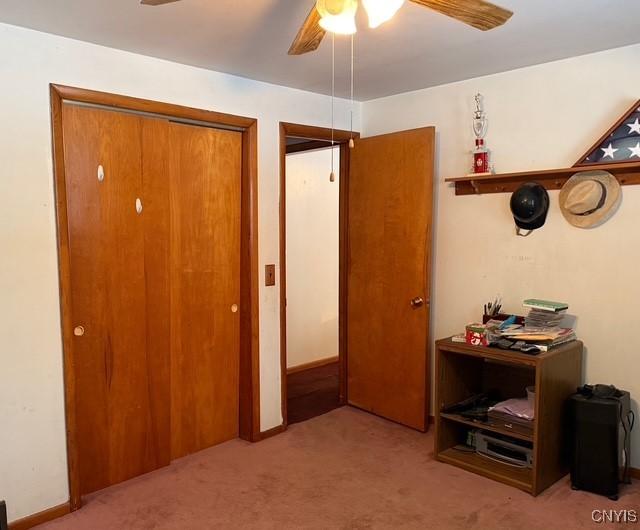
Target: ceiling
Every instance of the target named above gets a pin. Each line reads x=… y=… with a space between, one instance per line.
x=418 y=48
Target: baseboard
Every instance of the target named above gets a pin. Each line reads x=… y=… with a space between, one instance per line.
x=270 y=432
x=41 y=517
x=312 y=364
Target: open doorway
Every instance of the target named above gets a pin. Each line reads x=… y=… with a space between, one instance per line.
x=312 y=272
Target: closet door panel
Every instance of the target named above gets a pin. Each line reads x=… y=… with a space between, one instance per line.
x=117 y=421
x=205 y=169
x=155 y=218
x=83 y=152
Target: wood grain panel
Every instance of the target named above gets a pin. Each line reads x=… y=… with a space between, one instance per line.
x=479 y=14
x=205 y=169
x=168 y=110
x=309 y=35
x=390 y=216
x=155 y=219
x=249 y=294
x=556 y=380
x=116 y=421
x=250 y=389
x=627 y=173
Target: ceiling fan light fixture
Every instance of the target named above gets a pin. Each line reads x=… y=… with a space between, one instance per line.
x=380 y=11
x=338 y=16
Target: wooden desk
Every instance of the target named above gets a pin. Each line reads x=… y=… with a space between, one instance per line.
x=463 y=370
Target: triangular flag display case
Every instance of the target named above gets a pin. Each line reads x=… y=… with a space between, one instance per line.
x=617 y=151
x=620 y=144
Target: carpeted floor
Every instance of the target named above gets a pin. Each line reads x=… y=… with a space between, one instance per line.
x=313 y=392
x=346 y=469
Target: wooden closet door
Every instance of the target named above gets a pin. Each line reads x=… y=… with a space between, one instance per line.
x=120 y=349
x=389 y=274
x=205 y=170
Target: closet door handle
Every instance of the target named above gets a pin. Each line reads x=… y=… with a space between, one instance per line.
x=78 y=331
x=417 y=302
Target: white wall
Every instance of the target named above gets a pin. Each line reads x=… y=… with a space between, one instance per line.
x=33 y=468
x=312 y=256
x=540 y=117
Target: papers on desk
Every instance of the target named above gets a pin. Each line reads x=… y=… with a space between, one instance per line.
x=541 y=339
x=542 y=326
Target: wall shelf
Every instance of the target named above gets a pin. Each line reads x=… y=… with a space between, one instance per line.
x=627 y=173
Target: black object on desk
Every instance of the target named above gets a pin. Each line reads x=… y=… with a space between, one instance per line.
x=600 y=423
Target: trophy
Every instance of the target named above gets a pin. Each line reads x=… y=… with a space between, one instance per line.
x=480 y=153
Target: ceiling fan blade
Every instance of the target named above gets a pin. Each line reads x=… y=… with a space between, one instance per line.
x=477 y=13
x=156 y=2
x=309 y=36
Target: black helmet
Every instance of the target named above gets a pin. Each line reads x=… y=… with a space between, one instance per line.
x=529 y=205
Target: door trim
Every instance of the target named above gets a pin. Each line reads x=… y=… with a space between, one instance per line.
x=249 y=399
x=341 y=138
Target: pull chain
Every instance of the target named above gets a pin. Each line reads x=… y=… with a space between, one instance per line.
x=332 y=176
x=351 y=143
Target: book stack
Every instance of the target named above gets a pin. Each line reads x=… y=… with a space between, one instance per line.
x=539 y=319
x=542 y=328
x=544 y=314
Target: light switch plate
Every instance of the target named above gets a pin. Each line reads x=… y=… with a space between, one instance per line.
x=269 y=275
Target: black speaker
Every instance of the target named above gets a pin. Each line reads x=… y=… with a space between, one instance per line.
x=600 y=434
x=3 y=516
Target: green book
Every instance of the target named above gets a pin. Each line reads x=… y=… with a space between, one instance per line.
x=545 y=305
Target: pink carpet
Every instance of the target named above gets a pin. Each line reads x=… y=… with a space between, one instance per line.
x=346 y=469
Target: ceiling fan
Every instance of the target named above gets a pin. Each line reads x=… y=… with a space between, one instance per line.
x=339 y=16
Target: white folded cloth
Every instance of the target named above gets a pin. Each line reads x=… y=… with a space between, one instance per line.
x=522 y=408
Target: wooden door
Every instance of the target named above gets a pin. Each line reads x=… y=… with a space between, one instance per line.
x=120 y=314
x=389 y=239
x=205 y=171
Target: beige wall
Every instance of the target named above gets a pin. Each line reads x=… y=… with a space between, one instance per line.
x=540 y=117
x=33 y=468
x=312 y=256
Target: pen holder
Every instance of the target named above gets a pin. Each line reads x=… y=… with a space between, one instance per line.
x=501 y=316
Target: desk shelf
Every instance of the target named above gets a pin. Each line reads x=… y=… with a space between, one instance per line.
x=515 y=431
x=518 y=477
x=463 y=371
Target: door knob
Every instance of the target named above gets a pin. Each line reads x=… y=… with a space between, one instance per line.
x=78 y=331
x=417 y=302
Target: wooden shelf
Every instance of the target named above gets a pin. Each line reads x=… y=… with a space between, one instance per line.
x=489 y=353
x=516 y=430
x=627 y=173
x=519 y=477
x=463 y=371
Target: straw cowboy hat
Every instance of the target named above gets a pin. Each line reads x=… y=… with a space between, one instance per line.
x=590 y=198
